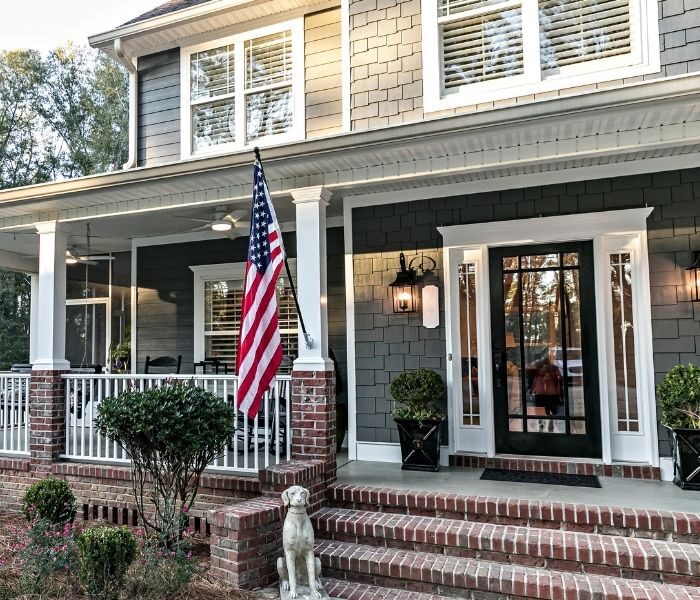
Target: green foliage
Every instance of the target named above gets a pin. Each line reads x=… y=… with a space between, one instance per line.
x=679 y=397
x=105 y=556
x=414 y=392
x=171 y=434
x=14 y=318
x=50 y=500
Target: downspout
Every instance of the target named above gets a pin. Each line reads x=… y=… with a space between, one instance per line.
x=130 y=65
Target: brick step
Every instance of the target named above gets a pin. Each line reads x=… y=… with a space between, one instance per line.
x=451 y=576
x=610 y=520
x=633 y=558
x=352 y=590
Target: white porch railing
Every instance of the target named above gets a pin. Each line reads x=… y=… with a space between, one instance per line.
x=257 y=442
x=14 y=413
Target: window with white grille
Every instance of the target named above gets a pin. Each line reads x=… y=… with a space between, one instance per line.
x=245 y=91
x=480 y=50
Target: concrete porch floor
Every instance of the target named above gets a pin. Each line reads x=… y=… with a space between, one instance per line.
x=614 y=491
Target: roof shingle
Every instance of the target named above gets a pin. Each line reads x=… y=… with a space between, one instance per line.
x=163 y=9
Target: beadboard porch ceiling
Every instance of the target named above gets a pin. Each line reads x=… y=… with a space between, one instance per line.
x=649 y=127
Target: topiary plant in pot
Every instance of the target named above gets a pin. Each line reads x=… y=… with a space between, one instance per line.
x=418 y=421
x=679 y=397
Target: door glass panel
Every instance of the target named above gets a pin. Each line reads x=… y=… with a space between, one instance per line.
x=544 y=370
x=511 y=307
x=623 y=342
x=86 y=334
x=468 y=338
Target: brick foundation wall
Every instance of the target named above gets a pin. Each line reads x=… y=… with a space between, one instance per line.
x=47 y=419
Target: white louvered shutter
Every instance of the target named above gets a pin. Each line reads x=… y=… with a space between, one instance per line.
x=212 y=96
x=479 y=46
x=576 y=31
x=268 y=82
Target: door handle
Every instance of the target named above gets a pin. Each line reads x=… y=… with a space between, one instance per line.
x=499 y=359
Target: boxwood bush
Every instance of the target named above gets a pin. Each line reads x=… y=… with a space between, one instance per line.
x=414 y=392
x=678 y=395
x=171 y=434
x=105 y=556
x=50 y=500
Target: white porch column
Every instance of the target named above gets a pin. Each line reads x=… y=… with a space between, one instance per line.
x=311 y=205
x=51 y=313
x=33 y=317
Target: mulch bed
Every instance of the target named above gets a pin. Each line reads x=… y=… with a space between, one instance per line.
x=202 y=587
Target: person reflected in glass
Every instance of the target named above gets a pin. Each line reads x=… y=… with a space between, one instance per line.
x=545 y=384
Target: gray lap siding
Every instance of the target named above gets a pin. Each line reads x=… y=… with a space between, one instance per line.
x=387 y=344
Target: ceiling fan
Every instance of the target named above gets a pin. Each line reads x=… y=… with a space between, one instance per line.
x=73 y=257
x=222 y=220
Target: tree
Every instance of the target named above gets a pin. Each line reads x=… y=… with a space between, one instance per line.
x=61 y=116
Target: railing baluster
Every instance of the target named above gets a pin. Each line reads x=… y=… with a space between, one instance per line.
x=267 y=444
x=5 y=415
x=288 y=419
x=278 y=397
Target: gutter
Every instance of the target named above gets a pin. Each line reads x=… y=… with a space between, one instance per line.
x=131 y=66
x=658 y=92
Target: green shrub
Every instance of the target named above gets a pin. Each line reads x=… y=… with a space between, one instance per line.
x=50 y=500
x=105 y=556
x=414 y=392
x=679 y=397
x=171 y=434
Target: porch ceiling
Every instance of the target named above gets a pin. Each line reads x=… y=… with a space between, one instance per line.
x=654 y=120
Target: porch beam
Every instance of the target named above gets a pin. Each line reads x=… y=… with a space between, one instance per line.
x=311 y=206
x=51 y=309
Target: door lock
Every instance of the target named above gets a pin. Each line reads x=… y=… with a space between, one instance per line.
x=449 y=357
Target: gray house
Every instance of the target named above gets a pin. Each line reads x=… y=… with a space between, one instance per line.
x=540 y=159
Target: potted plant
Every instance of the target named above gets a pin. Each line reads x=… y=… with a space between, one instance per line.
x=418 y=421
x=679 y=397
x=121 y=355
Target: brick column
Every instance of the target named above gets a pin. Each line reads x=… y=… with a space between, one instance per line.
x=47 y=419
x=313 y=419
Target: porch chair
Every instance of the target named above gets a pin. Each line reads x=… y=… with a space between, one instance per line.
x=163 y=364
x=270 y=440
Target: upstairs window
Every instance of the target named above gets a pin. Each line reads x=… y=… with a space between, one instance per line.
x=246 y=91
x=481 y=50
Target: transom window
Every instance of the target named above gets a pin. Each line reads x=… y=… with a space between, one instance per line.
x=480 y=50
x=245 y=91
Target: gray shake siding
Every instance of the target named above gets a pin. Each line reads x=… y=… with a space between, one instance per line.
x=679 y=36
x=386 y=344
x=165 y=308
x=159 y=108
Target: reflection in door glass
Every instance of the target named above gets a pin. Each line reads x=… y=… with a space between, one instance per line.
x=543 y=343
x=86 y=340
x=468 y=337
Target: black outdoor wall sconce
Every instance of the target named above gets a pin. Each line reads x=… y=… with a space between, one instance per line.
x=694 y=269
x=404 y=290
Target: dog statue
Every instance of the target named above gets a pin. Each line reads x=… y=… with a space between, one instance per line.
x=298 y=567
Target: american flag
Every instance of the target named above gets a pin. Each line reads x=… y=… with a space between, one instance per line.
x=260 y=344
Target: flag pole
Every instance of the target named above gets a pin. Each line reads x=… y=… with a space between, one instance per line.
x=308 y=340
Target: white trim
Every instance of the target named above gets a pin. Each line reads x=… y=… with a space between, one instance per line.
x=605 y=229
x=666 y=466
x=643 y=59
x=346 y=104
x=391 y=453
x=297 y=131
x=350 y=330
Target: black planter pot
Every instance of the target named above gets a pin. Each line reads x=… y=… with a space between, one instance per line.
x=420 y=444
x=685 y=445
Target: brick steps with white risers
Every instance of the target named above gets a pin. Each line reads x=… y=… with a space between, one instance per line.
x=654 y=524
x=470 y=578
x=617 y=556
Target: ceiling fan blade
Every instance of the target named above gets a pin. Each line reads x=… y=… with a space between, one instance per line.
x=197 y=219
x=82 y=261
x=232 y=233
x=96 y=257
x=242 y=226
x=237 y=215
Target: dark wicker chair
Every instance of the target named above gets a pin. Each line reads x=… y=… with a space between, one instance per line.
x=163 y=364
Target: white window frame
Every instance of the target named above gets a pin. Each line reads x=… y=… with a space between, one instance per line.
x=644 y=59
x=297 y=131
x=220 y=272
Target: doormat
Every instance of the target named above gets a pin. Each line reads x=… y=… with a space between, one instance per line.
x=539 y=477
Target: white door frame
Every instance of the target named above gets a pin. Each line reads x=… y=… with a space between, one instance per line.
x=610 y=231
x=108 y=321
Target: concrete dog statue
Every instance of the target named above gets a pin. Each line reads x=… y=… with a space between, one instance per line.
x=298 y=566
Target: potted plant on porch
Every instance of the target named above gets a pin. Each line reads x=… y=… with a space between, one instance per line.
x=679 y=397
x=418 y=421
x=121 y=356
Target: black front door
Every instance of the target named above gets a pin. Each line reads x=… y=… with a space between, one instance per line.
x=544 y=350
